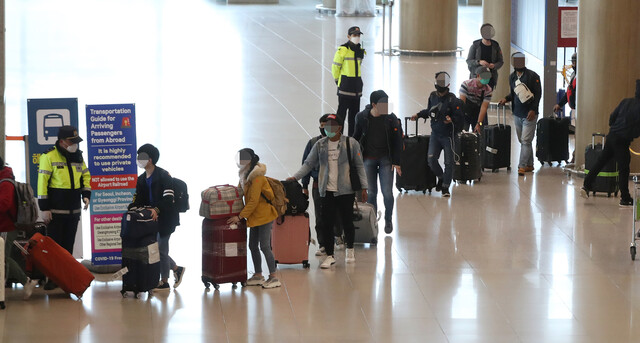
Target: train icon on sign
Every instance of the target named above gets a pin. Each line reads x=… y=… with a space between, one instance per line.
x=49 y=122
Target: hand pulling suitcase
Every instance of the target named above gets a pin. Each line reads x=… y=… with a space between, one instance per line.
x=224 y=252
x=290 y=239
x=140 y=252
x=497 y=144
x=552 y=141
x=416 y=174
x=365 y=222
x=607 y=179
x=57 y=264
x=467 y=161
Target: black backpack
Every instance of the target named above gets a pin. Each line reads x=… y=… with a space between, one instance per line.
x=180 y=195
x=298 y=201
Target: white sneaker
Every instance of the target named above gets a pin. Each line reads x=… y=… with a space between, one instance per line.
x=350 y=256
x=255 y=281
x=321 y=252
x=328 y=262
x=28 y=288
x=271 y=283
x=339 y=243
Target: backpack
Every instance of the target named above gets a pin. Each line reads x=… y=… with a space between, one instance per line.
x=180 y=195
x=27 y=205
x=298 y=201
x=280 y=200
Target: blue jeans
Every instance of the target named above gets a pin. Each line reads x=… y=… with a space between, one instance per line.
x=260 y=239
x=525 y=130
x=166 y=262
x=384 y=168
x=437 y=143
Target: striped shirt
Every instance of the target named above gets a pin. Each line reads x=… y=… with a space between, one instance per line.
x=474 y=93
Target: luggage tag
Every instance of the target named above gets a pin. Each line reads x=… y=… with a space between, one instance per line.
x=154 y=253
x=492 y=150
x=118 y=275
x=231 y=249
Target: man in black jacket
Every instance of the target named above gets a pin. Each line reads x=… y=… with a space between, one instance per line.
x=154 y=188
x=447 y=119
x=525 y=95
x=380 y=135
x=624 y=124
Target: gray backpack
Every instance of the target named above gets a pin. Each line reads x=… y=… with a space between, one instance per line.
x=27 y=205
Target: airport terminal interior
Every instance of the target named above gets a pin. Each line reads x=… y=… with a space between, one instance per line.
x=507 y=259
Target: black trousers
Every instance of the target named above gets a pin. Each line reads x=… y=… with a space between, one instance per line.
x=63 y=228
x=338 y=207
x=618 y=148
x=317 y=205
x=348 y=104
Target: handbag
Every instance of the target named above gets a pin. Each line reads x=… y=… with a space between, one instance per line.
x=353 y=173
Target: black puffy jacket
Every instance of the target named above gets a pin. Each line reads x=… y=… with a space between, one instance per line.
x=625 y=119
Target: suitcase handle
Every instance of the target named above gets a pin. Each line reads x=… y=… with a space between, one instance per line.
x=406 y=125
x=21 y=248
x=593 y=139
x=504 y=112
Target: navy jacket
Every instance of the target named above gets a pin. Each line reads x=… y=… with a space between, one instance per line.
x=393 y=132
x=625 y=119
x=452 y=107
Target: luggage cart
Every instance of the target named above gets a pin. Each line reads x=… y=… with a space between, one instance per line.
x=636 y=214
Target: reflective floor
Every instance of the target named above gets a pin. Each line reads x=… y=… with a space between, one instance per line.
x=507 y=259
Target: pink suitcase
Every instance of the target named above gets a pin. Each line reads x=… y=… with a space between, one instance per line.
x=290 y=239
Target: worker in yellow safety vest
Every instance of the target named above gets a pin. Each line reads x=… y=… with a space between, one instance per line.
x=63 y=180
x=348 y=76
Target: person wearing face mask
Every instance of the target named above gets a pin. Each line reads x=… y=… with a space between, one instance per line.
x=380 y=135
x=569 y=96
x=331 y=156
x=317 y=203
x=63 y=182
x=476 y=96
x=259 y=214
x=154 y=189
x=525 y=114
x=346 y=70
x=447 y=119
x=486 y=53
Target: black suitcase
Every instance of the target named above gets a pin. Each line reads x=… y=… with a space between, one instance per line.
x=497 y=144
x=416 y=174
x=607 y=179
x=467 y=162
x=140 y=253
x=552 y=141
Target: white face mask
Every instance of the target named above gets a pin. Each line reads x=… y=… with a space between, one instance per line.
x=72 y=148
x=355 y=39
x=142 y=163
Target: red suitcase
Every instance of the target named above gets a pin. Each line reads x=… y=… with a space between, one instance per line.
x=224 y=252
x=58 y=265
x=290 y=239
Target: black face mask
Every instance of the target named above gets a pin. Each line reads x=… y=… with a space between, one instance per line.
x=441 y=89
x=322 y=133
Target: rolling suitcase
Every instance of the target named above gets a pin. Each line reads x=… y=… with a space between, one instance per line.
x=290 y=239
x=497 y=144
x=224 y=252
x=57 y=264
x=416 y=174
x=552 y=141
x=467 y=161
x=140 y=253
x=365 y=222
x=607 y=179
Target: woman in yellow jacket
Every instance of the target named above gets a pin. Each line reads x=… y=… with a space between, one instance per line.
x=259 y=214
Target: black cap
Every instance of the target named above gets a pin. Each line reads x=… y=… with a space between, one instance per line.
x=354 y=30
x=378 y=95
x=325 y=117
x=335 y=118
x=69 y=132
x=151 y=151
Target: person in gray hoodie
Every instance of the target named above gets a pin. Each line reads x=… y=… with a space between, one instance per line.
x=624 y=127
x=485 y=52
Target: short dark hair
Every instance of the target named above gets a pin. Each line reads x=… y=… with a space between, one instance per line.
x=150 y=150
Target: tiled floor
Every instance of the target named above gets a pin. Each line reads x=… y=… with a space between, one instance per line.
x=507 y=259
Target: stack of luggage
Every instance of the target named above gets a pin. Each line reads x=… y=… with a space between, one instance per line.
x=291 y=234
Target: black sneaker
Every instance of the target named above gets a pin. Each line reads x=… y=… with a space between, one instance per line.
x=163 y=286
x=177 y=276
x=584 y=192
x=445 y=193
x=626 y=202
x=50 y=285
x=388 y=227
x=439 y=185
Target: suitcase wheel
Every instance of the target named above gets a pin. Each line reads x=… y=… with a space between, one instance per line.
x=615 y=194
x=374 y=241
x=124 y=294
x=216 y=286
x=234 y=285
x=633 y=253
x=136 y=295
x=399 y=188
x=608 y=195
x=2 y=306
x=508 y=168
x=243 y=284
x=305 y=264
x=425 y=191
x=494 y=170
